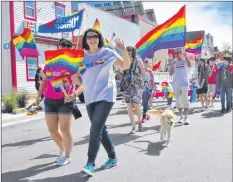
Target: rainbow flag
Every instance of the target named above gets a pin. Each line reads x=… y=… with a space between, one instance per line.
x=60 y=82
x=170 y=34
x=96 y=25
x=25 y=43
x=108 y=43
x=194 y=46
x=63 y=59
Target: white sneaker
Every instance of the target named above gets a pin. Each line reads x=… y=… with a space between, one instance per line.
x=186 y=121
x=64 y=161
x=60 y=156
x=181 y=119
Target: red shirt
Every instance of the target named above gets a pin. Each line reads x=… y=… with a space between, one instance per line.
x=212 y=76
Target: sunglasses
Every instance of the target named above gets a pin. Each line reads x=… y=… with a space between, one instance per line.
x=92 y=37
x=177 y=53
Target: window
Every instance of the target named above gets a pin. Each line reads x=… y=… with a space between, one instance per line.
x=31 y=66
x=30 y=10
x=59 y=10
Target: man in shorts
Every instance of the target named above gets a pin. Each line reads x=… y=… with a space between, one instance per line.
x=179 y=71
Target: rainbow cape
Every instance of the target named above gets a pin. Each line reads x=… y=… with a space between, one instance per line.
x=96 y=25
x=63 y=59
x=25 y=44
x=194 y=46
x=170 y=34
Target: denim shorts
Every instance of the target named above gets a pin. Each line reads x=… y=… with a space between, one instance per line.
x=57 y=106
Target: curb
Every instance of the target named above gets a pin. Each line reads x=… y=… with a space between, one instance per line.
x=9 y=123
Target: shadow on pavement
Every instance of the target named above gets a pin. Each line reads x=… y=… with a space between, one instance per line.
x=212 y=114
x=153 y=149
x=14 y=176
x=27 y=142
x=44 y=156
x=117 y=139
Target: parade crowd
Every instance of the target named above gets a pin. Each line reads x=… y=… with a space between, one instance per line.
x=137 y=85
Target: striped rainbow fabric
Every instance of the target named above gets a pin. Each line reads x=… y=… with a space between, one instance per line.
x=170 y=34
x=194 y=46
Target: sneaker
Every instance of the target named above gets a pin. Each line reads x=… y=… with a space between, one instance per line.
x=186 y=121
x=88 y=169
x=181 y=119
x=223 y=110
x=64 y=161
x=147 y=118
x=133 y=131
x=110 y=163
x=228 y=110
x=140 y=128
x=143 y=120
x=60 y=156
x=202 y=109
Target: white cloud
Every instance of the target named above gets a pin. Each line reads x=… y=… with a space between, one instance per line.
x=197 y=19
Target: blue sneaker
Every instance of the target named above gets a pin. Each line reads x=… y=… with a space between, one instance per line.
x=88 y=169
x=110 y=163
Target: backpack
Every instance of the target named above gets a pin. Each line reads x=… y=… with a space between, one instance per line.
x=127 y=77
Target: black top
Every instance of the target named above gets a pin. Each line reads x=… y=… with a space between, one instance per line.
x=37 y=78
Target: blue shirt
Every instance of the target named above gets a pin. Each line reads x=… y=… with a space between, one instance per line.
x=181 y=75
x=99 y=81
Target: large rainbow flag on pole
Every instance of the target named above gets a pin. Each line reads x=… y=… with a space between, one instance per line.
x=170 y=34
x=25 y=44
x=194 y=46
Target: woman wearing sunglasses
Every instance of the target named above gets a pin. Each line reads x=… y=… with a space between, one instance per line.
x=99 y=88
x=58 y=113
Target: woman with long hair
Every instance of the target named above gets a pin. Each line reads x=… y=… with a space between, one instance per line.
x=38 y=79
x=99 y=88
x=203 y=73
x=58 y=113
x=132 y=96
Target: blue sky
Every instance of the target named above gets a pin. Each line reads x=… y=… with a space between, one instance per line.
x=213 y=17
x=224 y=10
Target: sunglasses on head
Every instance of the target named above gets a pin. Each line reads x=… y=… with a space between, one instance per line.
x=92 y=37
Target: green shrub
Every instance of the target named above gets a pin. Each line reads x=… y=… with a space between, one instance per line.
x=10 y=102
x=21 y=100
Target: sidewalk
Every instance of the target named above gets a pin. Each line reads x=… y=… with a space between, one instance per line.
x=21 y=117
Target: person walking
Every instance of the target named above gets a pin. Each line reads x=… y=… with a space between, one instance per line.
x=203 y=73
x=226 y=85
x=132 y=96
x=99 y=88
x=149 y=84
x=58 y=112
x=212 y=81
x=179 y=71
x=38 y=79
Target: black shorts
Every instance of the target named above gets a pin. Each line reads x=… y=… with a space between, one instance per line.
x=202 y=90
x=57 y=106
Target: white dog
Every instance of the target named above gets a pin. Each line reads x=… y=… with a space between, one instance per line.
x=167 y=120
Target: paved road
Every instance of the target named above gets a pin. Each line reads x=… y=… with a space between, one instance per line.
x=201 y=152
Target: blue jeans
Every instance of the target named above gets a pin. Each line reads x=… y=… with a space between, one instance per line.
x=228 y=92
x=145 y=100
x=98 y=113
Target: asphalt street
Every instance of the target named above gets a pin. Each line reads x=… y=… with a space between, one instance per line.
x=200 y=152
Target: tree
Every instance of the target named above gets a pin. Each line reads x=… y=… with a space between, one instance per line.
x=226 y=48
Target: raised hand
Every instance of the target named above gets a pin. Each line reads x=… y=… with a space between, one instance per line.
x=120 y=44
